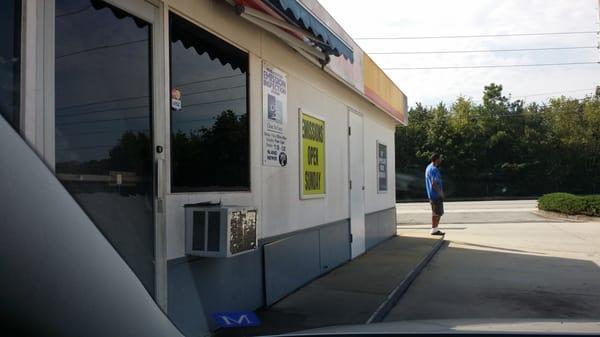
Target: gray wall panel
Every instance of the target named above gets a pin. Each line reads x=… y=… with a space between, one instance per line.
x=379 y=226
x=371 y=229
x=387 y=223
x=290 y=263
x=201 y=286
x=388 y=218
x=334 y=244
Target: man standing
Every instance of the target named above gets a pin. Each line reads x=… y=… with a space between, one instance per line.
x=435 y=191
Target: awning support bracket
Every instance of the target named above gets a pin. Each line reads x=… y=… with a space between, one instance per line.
x=275 y=26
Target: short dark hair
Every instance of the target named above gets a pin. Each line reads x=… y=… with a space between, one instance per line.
x=434 y=156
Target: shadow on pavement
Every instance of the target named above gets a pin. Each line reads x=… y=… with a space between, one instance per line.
x=483 y=283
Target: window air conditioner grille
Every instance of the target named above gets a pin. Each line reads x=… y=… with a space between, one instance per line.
x=214 y=231
x=220 y=231
x=198 y=237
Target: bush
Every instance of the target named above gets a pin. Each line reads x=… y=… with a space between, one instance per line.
x=570 y=204
x=593 y=205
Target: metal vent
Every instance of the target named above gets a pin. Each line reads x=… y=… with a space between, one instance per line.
x=214 y=231
x=198 y=233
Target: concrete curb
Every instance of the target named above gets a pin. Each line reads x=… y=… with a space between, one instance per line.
x=561 y=216
x=395 y=295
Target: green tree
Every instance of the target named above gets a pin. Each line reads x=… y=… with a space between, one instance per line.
x=503 y=147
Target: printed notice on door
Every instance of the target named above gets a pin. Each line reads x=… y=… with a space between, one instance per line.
x=274 y=116
x=312 y=164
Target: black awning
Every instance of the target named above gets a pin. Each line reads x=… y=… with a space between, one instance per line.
x=192 y=36
x=119 y=13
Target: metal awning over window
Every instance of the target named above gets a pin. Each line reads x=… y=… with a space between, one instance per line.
x=304 y=29
x=191 y=36
x=295 y=12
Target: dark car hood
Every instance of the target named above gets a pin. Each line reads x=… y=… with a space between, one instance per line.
x=464 y=326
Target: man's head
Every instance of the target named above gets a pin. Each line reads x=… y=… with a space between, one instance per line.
x=436 y=158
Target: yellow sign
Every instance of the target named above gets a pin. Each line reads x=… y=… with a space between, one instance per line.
x=312 y=145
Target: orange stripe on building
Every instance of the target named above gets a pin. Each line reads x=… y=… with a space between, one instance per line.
x=381 y=90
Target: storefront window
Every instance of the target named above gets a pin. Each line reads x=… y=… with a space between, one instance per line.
x=10 y=60
x=209 y=113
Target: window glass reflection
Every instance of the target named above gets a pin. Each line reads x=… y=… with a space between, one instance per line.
x=103 y=124
x=10 y=59
x=209 y=131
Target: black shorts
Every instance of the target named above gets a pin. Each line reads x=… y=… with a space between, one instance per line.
x=437 y=207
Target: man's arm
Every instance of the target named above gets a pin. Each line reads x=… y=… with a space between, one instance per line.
x=437 y=188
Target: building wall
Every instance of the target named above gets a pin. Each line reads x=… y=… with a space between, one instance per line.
x=377 y=129
x=311 y=89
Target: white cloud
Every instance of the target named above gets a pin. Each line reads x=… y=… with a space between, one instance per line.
x=469 y=17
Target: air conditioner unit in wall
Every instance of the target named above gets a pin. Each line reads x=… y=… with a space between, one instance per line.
x=219 y=231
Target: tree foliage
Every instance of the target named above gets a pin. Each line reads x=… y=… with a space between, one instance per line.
x=216 y=155
x=503 y=147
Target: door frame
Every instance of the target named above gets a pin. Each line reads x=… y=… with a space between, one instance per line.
x=153 y=11
x=353 y=185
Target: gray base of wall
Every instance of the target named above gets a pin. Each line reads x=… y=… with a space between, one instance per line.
x=292 y=262
x=197 y=287
x=379 y=226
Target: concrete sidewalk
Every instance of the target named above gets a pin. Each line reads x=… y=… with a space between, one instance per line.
x=505 y=266
x=350 y=294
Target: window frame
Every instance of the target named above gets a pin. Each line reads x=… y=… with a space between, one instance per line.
x=212 y=189
x=19 y=45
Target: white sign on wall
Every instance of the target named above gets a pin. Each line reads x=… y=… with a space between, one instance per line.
x=274 y=83
x=382 y=174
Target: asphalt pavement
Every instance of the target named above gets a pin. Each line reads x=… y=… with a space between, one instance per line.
x=502 y=261
x=466 y=212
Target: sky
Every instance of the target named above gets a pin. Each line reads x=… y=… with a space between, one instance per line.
x=418 y=18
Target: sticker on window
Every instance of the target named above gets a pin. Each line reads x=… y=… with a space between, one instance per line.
x=175 y=99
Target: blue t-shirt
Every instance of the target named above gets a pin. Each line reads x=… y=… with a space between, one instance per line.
x=433 y=174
